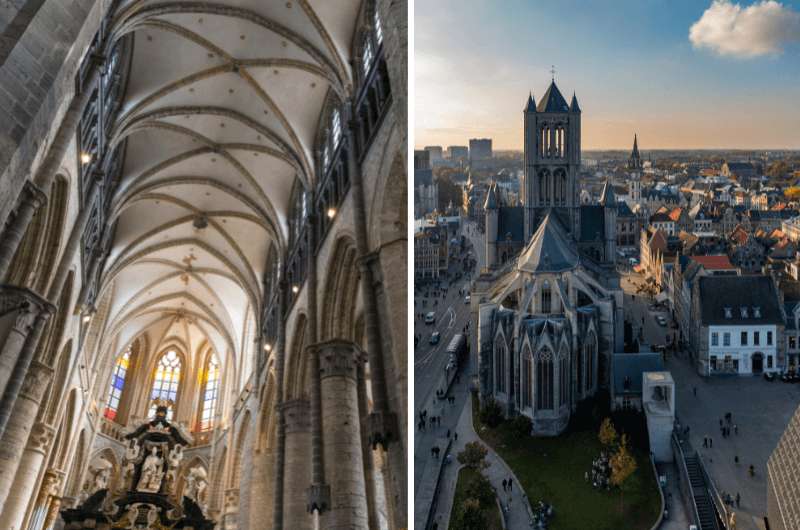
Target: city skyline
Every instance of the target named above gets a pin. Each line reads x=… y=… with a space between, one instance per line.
x=682 y=75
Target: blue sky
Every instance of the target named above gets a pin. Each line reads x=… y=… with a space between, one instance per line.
x=631 y=63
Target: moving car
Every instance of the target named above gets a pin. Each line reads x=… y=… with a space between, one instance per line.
x=430 y=317
x=467 y=299
x=435 y=336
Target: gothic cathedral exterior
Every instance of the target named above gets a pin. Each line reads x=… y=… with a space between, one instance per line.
x=550 y=311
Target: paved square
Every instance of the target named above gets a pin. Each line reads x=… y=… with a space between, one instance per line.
x=760 y=409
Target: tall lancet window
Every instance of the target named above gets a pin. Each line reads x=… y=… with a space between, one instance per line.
x=166 y=381
x=547 y=298
x=526 y=378
x=210 y=393
x=117 y=384
x=563 y=381
x=544 y=380
x=500 y=365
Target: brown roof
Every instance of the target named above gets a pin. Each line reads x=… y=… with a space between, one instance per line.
x=720 y=262
x=739 y=235
x=675 y=214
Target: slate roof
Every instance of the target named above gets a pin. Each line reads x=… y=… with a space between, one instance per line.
x=552 y=101
x=531 y=105
x=491 y=198
x=735 y=292
x=511 y=220
x=607 y=195
x=549 y=250
x=632 y=366
x=623 y=210
x=593 y=223
x=573 y=106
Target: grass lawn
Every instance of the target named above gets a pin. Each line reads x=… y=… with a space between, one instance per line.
x=552 y=469
x=465 y=477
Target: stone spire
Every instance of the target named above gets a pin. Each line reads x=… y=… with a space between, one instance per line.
x=531 y=105
x=635 y=161
x=573 y=106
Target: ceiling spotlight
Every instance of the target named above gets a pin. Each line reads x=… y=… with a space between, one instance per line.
x=86 y=158
x=295 y=289
x=267 y=346
x=331 y=212
x=86 y=318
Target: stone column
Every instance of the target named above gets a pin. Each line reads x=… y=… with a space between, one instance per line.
x=344 y=463
x=12 y=300
x=25 y=481
x=231 y=510
x=20 y=424
x=31 y=199
x=22 y=365
x=297 y=464
x=280 y=435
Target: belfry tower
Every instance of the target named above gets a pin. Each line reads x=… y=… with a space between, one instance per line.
x=552 y=160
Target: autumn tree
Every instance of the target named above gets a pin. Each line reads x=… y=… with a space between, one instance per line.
x=792 y=193
x=474 y=455
x=471 y=516
x=607 y=435
x=622 y=467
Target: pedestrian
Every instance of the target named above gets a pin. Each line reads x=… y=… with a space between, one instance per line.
x=710 y=442
x=504 y=484
x=455 y=436
x=735 y=429
x=510 y=483
x=752 y=470
x=736 y=460
x=705 y=441
x=737 y=499
x=694 y=389
x=448 y=434
x=720 y=423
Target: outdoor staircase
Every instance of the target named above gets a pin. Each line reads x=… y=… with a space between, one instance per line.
x=702 y=500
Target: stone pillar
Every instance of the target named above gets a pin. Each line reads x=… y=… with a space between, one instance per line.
x=11 y=297
x=344 y=463
x=25 y=481
x=31 y=199
x=231 y=510
x=297 y=464
x=20 y=424
x=280 y=434
x=21 y=367
x=369 y=467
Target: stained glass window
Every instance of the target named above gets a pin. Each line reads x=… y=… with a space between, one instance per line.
x=366 y=56
x=166 y=381
x=117 y=384
x=378 y=28
x=210 y=393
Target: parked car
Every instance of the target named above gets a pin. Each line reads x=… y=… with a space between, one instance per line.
x=430 y=317
x=435 y=336
x=467 y=299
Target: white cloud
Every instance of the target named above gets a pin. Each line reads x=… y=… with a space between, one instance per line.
x=760 y=29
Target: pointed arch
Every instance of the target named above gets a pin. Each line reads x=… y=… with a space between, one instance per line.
x=544 y=379
x=527 y=373
x=500 y=362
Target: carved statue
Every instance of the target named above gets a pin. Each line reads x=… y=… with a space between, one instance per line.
x=131 y=456
x=152 y=472
x=196 y=484
x=100 y=471
x=173 y=462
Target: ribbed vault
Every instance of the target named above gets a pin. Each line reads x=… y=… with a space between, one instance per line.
x=220 y=117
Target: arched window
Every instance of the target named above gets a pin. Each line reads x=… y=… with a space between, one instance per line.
x=367 y=55
x=166 y=381
x=500 y=365
x=117 y=384
x=563 y=379
x=526 y=378
x=211 y=382
x=547 y=298
x=544 y=380
x=591 y=347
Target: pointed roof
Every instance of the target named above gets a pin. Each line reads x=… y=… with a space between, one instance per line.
x=607 y=197
x=491 y=198
x=635 y=161
x=552 y=101
x=573 y=106
x=549 y=250
x=531 y=105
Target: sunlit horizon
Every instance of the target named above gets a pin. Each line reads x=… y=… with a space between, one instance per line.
x=654 y=69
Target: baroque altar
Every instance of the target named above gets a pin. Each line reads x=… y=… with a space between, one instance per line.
x=147 y=497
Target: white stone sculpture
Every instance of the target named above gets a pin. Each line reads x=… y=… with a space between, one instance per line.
x=152 y=472
x=131 y=456
x=100 y=471
x=173 y=463
x=196 y=484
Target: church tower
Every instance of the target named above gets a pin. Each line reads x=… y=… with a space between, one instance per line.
x=552 y=160
x=635 y=170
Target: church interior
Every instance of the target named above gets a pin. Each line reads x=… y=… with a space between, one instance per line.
x=203 y=259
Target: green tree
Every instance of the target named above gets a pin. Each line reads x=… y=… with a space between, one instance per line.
x=522 y=425
x=491 y=413
x=608 y=434
x=449 y=192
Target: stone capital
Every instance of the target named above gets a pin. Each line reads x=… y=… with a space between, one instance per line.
x=13 y=297
x=32 y=195
x=319 y=498
x=40 y=437
x=297 y=415
x=382 y=428
x=338 y=358
x=231 y=499
x=36 y=381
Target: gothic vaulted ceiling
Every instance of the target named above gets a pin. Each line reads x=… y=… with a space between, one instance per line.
x=220 y=115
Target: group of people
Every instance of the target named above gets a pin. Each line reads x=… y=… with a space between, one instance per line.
x=435 y=421
x=542 y=513
x=600 y=475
